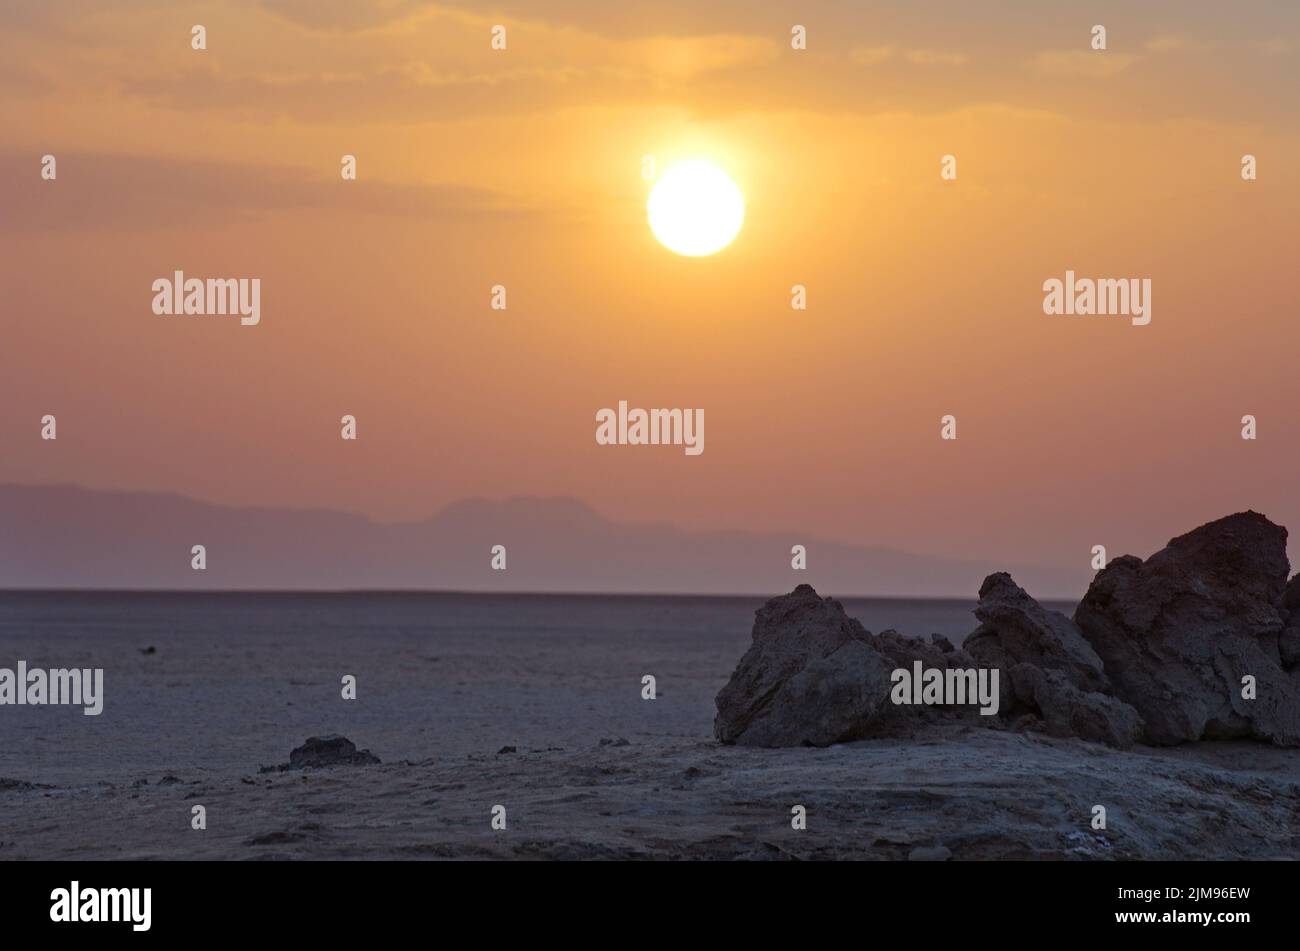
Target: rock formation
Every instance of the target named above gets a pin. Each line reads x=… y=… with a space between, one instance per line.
x=814 y=676
x=1288 y=642
x=1055 y=675
x=1016 y=629
x=1063 y=709
x=1161 y=651
x=1179 y=632
x=810 y=677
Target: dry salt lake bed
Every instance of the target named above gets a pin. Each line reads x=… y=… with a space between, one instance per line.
x=534 y=702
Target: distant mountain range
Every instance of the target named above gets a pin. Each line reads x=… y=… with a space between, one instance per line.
x=69 y=537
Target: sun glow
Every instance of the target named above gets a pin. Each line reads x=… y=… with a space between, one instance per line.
x=695 y=209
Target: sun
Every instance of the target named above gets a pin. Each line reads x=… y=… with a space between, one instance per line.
x=695 y=209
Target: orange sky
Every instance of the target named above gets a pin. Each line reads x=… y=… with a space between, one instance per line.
x=522 y=167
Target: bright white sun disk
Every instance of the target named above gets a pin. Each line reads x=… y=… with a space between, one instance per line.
x=695 y=209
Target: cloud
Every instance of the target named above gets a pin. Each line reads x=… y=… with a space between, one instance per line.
x=683 y=58
x=871 y=55
x=345 y=63
x=935 y=58
x=343 y=16
x=100 y=191
x=1083 y=64
x=876 y=55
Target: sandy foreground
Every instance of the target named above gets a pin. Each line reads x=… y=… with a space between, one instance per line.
x=959 y=792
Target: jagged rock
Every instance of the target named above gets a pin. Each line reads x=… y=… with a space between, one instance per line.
x=941 y=642
x=833 y=699
x=1050 y=671
x=1157 y=652
x=332 y=750
x=1016 y=629
x=903 y=651
x=1179 y=631
x=810 y=677
x=814 y=676
x=1067 y=711
x=1288 y=642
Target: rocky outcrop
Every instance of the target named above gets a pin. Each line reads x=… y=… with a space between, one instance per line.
x=810 y=677
x=832 y=699
x=1177 y=634
x=1065 y=710
x=1016 y=629
x=814 y=676
x=1055 y=676
x=1288 y=642
x=1200 y=641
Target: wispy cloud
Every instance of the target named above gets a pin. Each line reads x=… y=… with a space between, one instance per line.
x=878 y=55
x=118 y=192
x=1087 y=64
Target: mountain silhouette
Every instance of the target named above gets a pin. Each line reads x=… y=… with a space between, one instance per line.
x=65 y=536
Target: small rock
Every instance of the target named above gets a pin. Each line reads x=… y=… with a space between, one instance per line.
x=618 y=742
x=332 y=750
x=506 y=749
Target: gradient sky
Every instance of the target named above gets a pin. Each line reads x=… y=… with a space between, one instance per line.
x=522 y=168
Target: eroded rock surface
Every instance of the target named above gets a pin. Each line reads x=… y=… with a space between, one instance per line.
x=810 y=677
x=1162 y=651
x=1016 y=629
x=1177 y=634
x=1067 y=711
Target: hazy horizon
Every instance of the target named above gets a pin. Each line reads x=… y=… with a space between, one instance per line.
x=71 y=538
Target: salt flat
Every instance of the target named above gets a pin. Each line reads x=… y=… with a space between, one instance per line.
x=445 y=681
x=967 y=793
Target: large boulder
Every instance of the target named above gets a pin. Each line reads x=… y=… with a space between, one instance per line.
x=1052 y=671
x=1016 y=629
x=811 y=677
x=1065 y=710
x=832 y=699
x=814 y=676
x=1179 y=632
